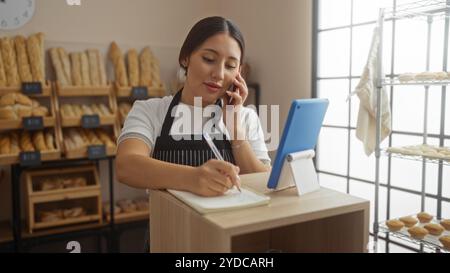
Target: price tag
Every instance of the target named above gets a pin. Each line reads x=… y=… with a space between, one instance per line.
x=139 y=92
x=30 y=159
x=32 y=88
x=96 y=152
x=90 y=121
x=33 y=123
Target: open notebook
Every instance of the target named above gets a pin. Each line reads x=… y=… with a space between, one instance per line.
x=231 y=200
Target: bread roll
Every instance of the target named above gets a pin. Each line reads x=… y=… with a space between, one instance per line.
x=36 y=57
x=22 y=59
x=8 y=99
x=39 y=141
x=93 y=138
x=5 y=145
x=87 y=110
x=15 y=148
x=105 y=138
x=7 y=112
x=49 y=141
x=3 y=81
x=77 y=110
x=76 y=69
x=104 y=109
x=25 y=142
x=58 y=67
x=23 y=100
x=40 y=111
x=85 y=69
x=115 y=54
x=65 y=64
x=101 y=68
x=146 y=67
x=93 y=67
x=9 y=61
x=133 y=67
x=23 y=111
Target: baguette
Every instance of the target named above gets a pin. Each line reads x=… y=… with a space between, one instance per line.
x=115 y=54
x=133 y=67
x=35 y=47
x=9 y=61
x=101 y=66
x=76 y=69
x=3 y=81
x=58 y=66
x=85 y=69
x=65 y=65
x=93 y=67
x=146 y=67
x=22 y=60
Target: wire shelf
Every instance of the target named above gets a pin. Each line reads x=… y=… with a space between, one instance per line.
x=430 y=242
x=445 y=162
x=424 y=9
x=396 y=81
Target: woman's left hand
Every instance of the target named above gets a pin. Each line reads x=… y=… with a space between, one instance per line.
x=240 y=94
x=238 y=98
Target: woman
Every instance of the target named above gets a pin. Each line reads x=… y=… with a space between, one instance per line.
x=149 y=155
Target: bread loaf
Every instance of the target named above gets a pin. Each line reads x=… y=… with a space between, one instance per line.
x=146 y=67
x=35 y=47
x=3 y=81
x=93 y=67
x=76 y=69
x=85 y=69
x=58 y=67
x=22 y=60
x=133 y=67
x=65 y=64
x=9 y=61
x=115 y=54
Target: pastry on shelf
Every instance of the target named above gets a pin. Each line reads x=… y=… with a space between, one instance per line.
x=434 y=229
x=15 y=106
x=395 y=225
x=77 y=111
x=107 y=209
x=424 y=217
x=446 y=224
x=418 y=232
x=74 y=212
x=76 y=138
x=445 y=241
x=409 y=221
x=124 y=109
x=142 y=204
x=127 y=205
x=51 y=184
x=51 y=216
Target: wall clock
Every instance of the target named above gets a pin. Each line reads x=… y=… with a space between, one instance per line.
x=15 y=13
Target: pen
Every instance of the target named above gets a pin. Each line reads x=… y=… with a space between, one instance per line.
x=215 y=151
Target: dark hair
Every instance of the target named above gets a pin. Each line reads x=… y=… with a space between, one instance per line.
x=206 y=28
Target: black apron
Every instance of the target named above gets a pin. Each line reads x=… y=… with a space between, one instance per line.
x=193 y=151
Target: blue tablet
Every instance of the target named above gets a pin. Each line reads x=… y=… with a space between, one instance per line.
x=300 y=132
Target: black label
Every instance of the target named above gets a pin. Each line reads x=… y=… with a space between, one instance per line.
x=30 y=159
x=96 y=151
x=90 y=121
x=32 y=88
x=33 y=123
x=139 y=92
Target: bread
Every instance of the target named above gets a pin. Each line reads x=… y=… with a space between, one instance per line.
x=23 y=65
x=40 y=111
x=48 y=185
x=76 y=69
x=142 y=204
x=23 y=100
x=87 y=110
x=77 y=110
x=115 y=55
x=69 y=144
x=51 y=216
x=9 y=61
x=79 y=182
x=133 y=67
x=96 y=109
x=76 y=138
x=409 y=221
x=107 y=209
x=58 y=67
x=156 y=78
x=146 y=67
x=445 y=241
x=65 y=64
x=418 y=232
x=3 y=81
x=395 y=225
x=23 y=111
x=15 y=149
x=93 y=138
x=104 y=109
x=434 y=229
x=85 y=74
x=7 y=112
x=5 y=145
x=66 y=111
x=105 y=138
x=101 y=69
x=424 y=217
x=74 y=212
x=446 y=224
x=93 y=67
x=25 y=142
x=39 y=141
x=35 y=47
x=8 y=99
x=127 y=206
x=49 y=141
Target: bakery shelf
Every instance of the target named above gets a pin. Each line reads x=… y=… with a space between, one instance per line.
x=153 y=91
x=82 y=219
x=396 y=81
x=46 y=90
x=83 y=91
x=430 y=242
x=428 y=159
x=18 y=123
x=76 y=122
x=129 y=217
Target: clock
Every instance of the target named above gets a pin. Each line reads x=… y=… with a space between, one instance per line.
x=15 y=13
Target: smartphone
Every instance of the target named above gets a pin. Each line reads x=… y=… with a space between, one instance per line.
x=233 y=89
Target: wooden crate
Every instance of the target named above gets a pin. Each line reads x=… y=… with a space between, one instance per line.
x=153 y=91
x=82 y=91
x=46 y=90
x=88 y=197
x=45 y=155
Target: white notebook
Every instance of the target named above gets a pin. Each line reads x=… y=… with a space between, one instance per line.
x=231 y=200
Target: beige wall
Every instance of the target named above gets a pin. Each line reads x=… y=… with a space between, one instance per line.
x=277 y=33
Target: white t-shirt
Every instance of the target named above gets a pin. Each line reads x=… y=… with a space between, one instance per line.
x=146 y=118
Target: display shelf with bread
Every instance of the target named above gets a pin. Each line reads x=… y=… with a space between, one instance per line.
x=127 y=210
x=122 y=110
x=58 y=197
x=79 y=73
x=421 y=229
x=432 y=154
x=22 y=65
x=21 y=111
x=89 y=143
x=16 y=144
x=76 y=112
x=139 y=77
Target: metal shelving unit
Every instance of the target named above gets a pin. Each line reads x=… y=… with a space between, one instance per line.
x=429 y=10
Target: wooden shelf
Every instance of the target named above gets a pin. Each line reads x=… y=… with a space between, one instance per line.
x=65 y=229
x=82 y=91
x=18 y=123
x=153 y=91
x=46 y=90
x=129 y=217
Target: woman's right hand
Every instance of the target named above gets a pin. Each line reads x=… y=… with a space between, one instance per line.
x=214 y=178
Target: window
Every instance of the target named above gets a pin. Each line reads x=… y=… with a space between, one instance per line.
x=342 y=36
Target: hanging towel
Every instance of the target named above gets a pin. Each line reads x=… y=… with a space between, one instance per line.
x=367 y=94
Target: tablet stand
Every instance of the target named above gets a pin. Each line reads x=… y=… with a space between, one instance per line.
x=298 y=170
